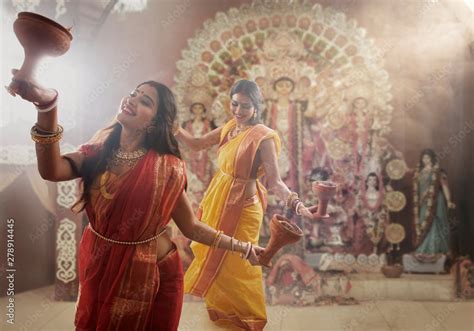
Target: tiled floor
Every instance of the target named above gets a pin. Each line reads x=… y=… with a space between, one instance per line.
x=35 y=310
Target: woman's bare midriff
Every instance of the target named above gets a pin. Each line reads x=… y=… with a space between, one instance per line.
x=251 y=189
x=164 y=245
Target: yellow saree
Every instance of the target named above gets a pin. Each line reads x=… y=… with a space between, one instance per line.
x=232 y=287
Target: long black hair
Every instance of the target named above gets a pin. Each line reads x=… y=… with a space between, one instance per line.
x=159 y=138
x=251 y=90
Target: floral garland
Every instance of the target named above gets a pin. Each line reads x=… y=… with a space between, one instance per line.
x=299 y=146
x=292 y=146
x=423 y=227
x=379 y=221
x=362 y=137
x=376 y=234
x=292 y=141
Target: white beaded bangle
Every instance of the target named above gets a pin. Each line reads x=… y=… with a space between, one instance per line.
x=249 y=248
x=243 y=255
x=45 y=110
x=298 y=205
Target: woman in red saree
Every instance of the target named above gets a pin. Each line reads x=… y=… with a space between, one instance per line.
x=130 y=274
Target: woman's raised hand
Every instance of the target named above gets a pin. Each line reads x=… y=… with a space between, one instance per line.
x=30 y=91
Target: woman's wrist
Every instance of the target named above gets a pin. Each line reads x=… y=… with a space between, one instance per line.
x=241 y=248
x=299 y=205
x=49 y=101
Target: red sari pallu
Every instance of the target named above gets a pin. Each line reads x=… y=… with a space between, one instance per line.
x=123 y=286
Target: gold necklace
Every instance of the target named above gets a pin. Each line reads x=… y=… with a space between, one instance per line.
x=120 y=157
x=236 y=131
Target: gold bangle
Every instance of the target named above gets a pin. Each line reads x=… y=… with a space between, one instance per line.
x=46 y=140
x=219 y=239
x=38 y=132
x=216 y=237
x=291 y=197
x=38 y=129
x=214 y=240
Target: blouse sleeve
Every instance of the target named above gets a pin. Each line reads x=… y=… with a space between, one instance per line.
x=177 y=178
x=276 y=139
x=272 y=134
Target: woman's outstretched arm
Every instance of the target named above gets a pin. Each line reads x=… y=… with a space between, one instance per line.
x=51 y=165
x=275 y=183
x=198 y=231
x=198 y=143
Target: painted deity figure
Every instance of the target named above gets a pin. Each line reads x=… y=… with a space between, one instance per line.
x=371 y=216
x=285 y=115
x=361 y=124
x=198 y=126
x=373 y=192
x=278 y=118
x=431 y=200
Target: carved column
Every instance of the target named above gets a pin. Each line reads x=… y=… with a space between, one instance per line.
x=68 y=231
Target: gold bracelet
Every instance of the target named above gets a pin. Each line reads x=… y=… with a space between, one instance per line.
x=216 y=237
x=38 y=129
x=219 y=239
x=46 y=140
x=38 y=132
x=291 y=197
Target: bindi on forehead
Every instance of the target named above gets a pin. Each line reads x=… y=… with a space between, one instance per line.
x=142 y=90
x=149 y=92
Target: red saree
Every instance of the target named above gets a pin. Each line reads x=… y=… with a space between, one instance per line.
x=124 y=287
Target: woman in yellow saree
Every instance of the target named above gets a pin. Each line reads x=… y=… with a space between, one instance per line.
x=234 y=203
